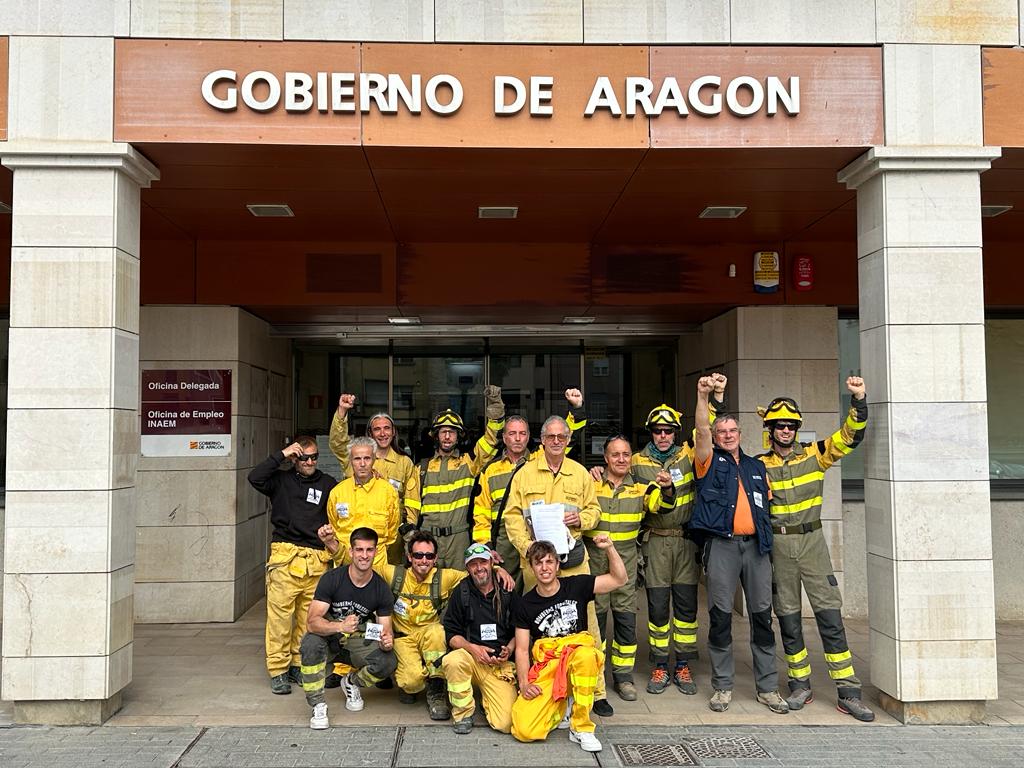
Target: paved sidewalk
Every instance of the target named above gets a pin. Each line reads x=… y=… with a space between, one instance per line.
x=437 y=747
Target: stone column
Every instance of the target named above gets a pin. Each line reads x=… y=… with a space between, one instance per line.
x=926 y=490
x=72 y=430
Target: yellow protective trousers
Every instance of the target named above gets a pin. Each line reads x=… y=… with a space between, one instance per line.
x=419 y=653
x=497 y=684
x=292 y=575
x=562 y=667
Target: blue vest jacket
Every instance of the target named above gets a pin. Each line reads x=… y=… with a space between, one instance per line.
x=716 y=498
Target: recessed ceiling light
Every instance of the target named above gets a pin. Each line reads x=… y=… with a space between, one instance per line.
x=991 y=211
x=5 y=208
x=497 y=212
x=270 y=210
x=577 y=319
x=404 y=320
x=723 y=211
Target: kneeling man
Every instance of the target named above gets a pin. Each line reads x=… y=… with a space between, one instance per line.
x=339 y=630
x=566 y=660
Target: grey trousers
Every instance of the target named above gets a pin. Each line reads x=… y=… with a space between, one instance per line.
x=731 y=562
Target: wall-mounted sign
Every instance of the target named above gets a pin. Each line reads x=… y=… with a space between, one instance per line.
x=803 y=273
x=186 y=413
x=766 y=271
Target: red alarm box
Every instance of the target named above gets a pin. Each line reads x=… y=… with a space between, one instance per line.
x=803 y=273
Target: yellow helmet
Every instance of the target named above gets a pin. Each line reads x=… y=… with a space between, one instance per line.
x=663 y=416
x=781 y=409
x=447 y=418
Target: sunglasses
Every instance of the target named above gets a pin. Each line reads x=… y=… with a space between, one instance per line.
x=663 y=431
x=308 y=457
x=423 y=555
x=785 y=425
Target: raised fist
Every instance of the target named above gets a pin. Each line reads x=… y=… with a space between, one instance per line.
x=856 y=386
x=720 y=381
x=345 y=404
x=575 y=397
x=705 y=385
x=663 y=479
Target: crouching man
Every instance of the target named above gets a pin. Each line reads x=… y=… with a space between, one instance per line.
x=480 y=630
x=339 y=629
x=558 y=689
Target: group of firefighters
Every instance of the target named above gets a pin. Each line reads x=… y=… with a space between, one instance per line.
x=435 y=575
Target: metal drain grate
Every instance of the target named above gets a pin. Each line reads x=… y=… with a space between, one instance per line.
x=653 y=754
x=727 y=748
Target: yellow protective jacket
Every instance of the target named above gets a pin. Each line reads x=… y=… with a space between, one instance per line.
x=446 y=487
x=413 y=606
x=572 y=486
x=798 y=481
x=645 y=467
x=395 y=467
x=623 y=507
x=373 y=505
x=494 y=483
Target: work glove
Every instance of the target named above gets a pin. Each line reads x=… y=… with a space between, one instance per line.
x=406 y=530
x=495 y=408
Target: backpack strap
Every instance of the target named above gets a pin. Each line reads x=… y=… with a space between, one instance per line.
x=435 y=592
x=397 y=580
x=496 y=524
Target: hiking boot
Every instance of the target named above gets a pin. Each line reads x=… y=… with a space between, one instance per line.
x=279 y=684
x=603 y=708
x=565 y=724
x=857 y=709
x=720 y=701
x=684 y=680
x=798 y=697
x=319 y=721
x=586 y=739
x=295 y=675
x=437 y=699
x=353 y=696
x=333 y=680
x=659 y=680
x=464 y=726
x=404 y=697
x=774 y=702
x=626 y=690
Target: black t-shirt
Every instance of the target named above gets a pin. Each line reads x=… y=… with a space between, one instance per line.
x=336 y=587
x=562 y=614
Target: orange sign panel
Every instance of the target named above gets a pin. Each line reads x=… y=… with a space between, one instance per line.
x=513 y=96
x=1002 y=80
x=5 y=66
x=767 y=97
x=165 y=91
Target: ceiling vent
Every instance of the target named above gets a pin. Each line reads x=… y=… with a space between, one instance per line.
x=270 y=210
x=991 y=211
x=723 y=211
x=497 y=212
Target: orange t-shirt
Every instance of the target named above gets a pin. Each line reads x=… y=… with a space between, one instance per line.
x=742 y=519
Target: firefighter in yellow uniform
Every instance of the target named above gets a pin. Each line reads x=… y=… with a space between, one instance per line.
x=671 y=567
x=800 y=556
x=551 y=478
x=487 y=526
x=363 y=501
x=389 y=462
x=447 y=480
x=623 y=504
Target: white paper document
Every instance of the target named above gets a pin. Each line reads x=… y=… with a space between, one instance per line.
x=547 y=521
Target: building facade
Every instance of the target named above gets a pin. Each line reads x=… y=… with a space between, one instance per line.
x=410 y=199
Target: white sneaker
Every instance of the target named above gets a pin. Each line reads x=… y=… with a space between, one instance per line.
x=586 y=739
x=319 y=721
x=353 y=696
x=564 y=724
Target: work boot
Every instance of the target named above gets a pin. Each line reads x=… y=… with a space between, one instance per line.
x=659 y=680
x=626 y=690
x=279 y=684
x=295 y=675
x=437 y=699
x=720 y=701
x=773 y=701
x=798 y=697
x=333 y=680
x=684 y=680
x=603 y=708
x=463 y=726
x=404 y=697
x=857 y=709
